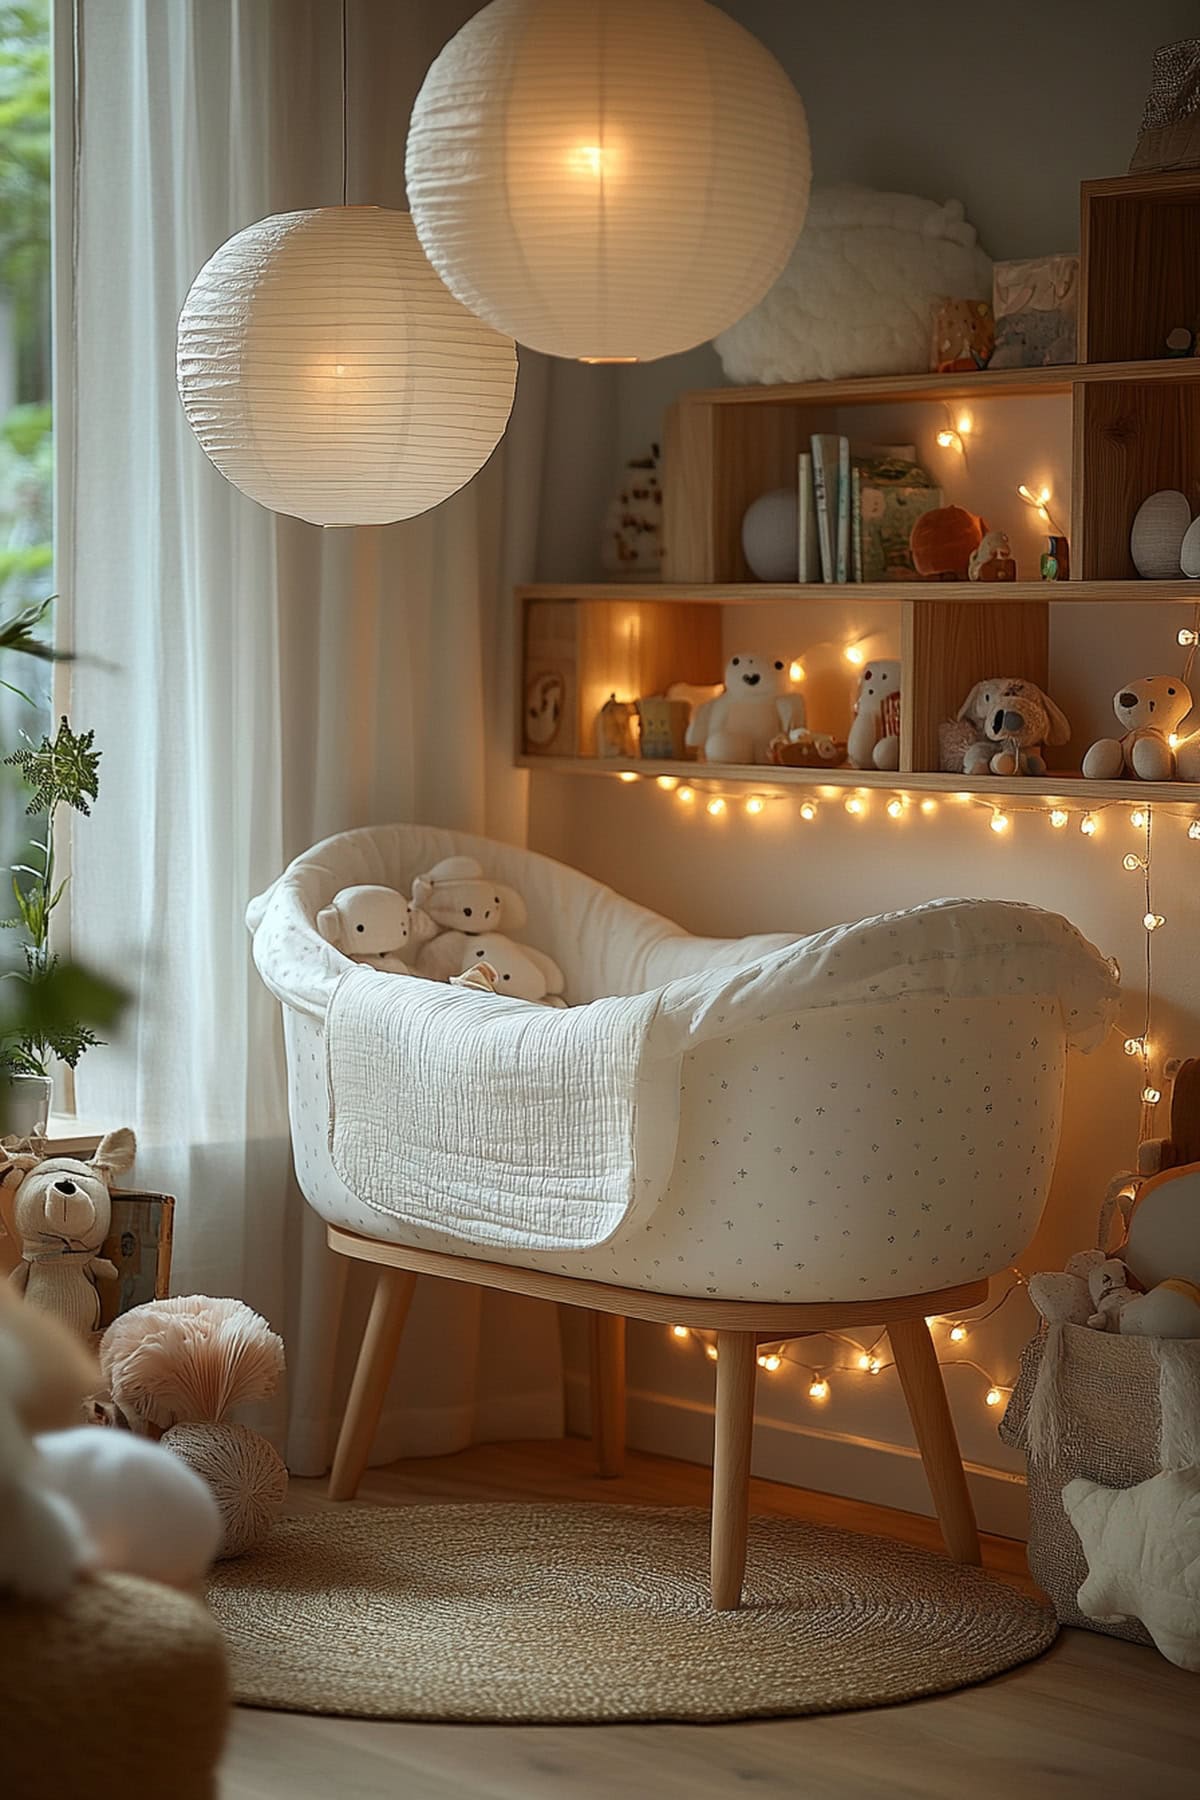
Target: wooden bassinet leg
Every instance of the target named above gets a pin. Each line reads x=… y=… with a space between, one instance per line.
x=925 y=1394
x=736 y=1368
x=372 y=1372
x=608 y=1393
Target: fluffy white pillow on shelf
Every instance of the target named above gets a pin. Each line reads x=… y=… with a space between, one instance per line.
x=857 y=296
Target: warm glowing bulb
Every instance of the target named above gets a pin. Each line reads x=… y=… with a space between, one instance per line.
x=1187 y=640
x=818 y=1389
x=587 y=159
x=993 y=1396
x=755 y=804
x=895 y=808
x=680 y=1331
x=668 y=783
x=1152 y=921
x=808 y=810
x=686 y=794
x=1058 y=818
x=855 y=655
x=1137 y=819
x=710 y=1350
x=874 y=1365
x=715 y=807
x=958 y=1334
x=1194 y=829
x=864 y=1361
x=1173 y=739
x=1132 y=862
x=1135 y=1046
x=854 y=806
x=627 y=775
x=946 y=438
x=770 y=1362
x=999 y=821
x=1151 y=1096
x=931 y=1321
x=928 y=806
x=965 y=423
x=1088 y=824
x=796 y=672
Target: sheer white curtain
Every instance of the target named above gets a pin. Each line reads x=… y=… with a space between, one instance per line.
x=255 y=683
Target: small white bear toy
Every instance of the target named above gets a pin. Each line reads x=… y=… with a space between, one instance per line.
x=374 y=925
x=521 y=972
x=1151 y=710
x=874 y=741
x=738 y=725
x=59 y=1212
x=457 y=896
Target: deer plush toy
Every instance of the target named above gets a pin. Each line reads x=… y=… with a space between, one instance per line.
x=58 y=1211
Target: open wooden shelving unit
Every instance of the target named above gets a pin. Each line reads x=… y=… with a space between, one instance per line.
x=1135 y=428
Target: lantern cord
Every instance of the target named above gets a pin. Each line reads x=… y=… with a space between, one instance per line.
x=345 y=133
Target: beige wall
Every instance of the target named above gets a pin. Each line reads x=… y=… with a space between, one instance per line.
x=1008 y=113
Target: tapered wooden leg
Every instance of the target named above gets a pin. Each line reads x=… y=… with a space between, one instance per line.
x=925 y=1394
x=736 y=1368
x=372 y=1372
x=608 y=1393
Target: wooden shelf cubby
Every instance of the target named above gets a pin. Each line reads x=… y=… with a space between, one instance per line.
x=1126 y=415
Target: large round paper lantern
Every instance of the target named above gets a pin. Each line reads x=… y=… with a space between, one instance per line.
x=612 y=180
x=328 y=373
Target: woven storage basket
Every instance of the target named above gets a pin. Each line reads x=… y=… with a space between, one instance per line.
x=1169 y=137
x=1091 y=1403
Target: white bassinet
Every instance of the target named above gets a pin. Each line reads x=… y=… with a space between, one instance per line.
x=873 y=1111
x=765 y=1136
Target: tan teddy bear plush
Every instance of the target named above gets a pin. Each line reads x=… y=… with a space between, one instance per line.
x=58 y=1211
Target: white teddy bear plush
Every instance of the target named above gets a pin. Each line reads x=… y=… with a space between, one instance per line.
x=375 y=925
x=456 y=895
x=874 y=741
x=520 y=971
x=738 y=725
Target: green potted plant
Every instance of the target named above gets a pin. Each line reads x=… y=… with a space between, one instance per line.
x=48 y=1022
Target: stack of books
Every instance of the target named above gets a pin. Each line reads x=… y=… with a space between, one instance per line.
x=858 y=505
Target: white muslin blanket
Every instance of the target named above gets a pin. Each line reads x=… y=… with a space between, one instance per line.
x=505 y=1123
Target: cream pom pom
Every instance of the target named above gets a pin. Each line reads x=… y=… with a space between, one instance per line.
x=245 y=1475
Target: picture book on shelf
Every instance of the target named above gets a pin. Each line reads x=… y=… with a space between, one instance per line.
x=809 y=559
x=885 y=514
x=832 y=476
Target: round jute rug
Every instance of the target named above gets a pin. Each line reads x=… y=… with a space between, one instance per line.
x=548 y=1614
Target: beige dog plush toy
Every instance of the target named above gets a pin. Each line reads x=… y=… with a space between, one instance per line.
x=58 y=1211
x=376 y=926
x=1002 y=728
x=518 y=970
x=457 y=896
x=1151 y=711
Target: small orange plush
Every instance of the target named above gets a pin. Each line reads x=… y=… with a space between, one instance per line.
x=942 y=542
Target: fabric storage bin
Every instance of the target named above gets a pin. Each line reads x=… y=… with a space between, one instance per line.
x=1112 y=1409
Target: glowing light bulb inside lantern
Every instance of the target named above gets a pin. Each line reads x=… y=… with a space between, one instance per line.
x=993 y=1396
x=1151 y=1096
x=999 y=821
x=958 y=1334
x=1138 y=819
x=680 y=1331
x=818 y=1388
x=715 y=807
x=808 y=811
x=1089 y=824
x=686 y=795
x=755 y=805
x=796 y=671
x=1058 y=818
x=854 y=653
x=668 y=783
x=895 y=809
x=588 y=159
x=855 y=807
x=1152 y=921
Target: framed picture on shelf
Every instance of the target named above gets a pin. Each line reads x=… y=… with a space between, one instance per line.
x=139 y=1247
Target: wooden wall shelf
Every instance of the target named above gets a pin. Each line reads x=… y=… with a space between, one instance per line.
x=980 y=384
x=964 y=593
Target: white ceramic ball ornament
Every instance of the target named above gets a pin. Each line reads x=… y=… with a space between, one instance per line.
x=770 y=535
x=1156 y=538
x=328 y=373
x=608 y=180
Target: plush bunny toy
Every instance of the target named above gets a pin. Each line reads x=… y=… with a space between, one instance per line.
x=874 y=741
x=375 y=925
x=521 y=972
x=59 y=1212
x=456 y=896
x=1012 y=720
x=1151 y=710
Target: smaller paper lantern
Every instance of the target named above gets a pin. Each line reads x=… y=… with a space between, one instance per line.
x=329 y=374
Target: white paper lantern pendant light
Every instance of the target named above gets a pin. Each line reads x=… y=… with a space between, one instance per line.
x=328 y=373
x=608 y=180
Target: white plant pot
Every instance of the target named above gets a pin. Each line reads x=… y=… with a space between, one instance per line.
x=25 y=1100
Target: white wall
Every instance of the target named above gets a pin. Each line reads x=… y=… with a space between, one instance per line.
x=1008 y=112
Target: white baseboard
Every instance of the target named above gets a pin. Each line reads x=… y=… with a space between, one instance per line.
x=803 y=1456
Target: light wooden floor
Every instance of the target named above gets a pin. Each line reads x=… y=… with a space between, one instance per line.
x=1092 y=1716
